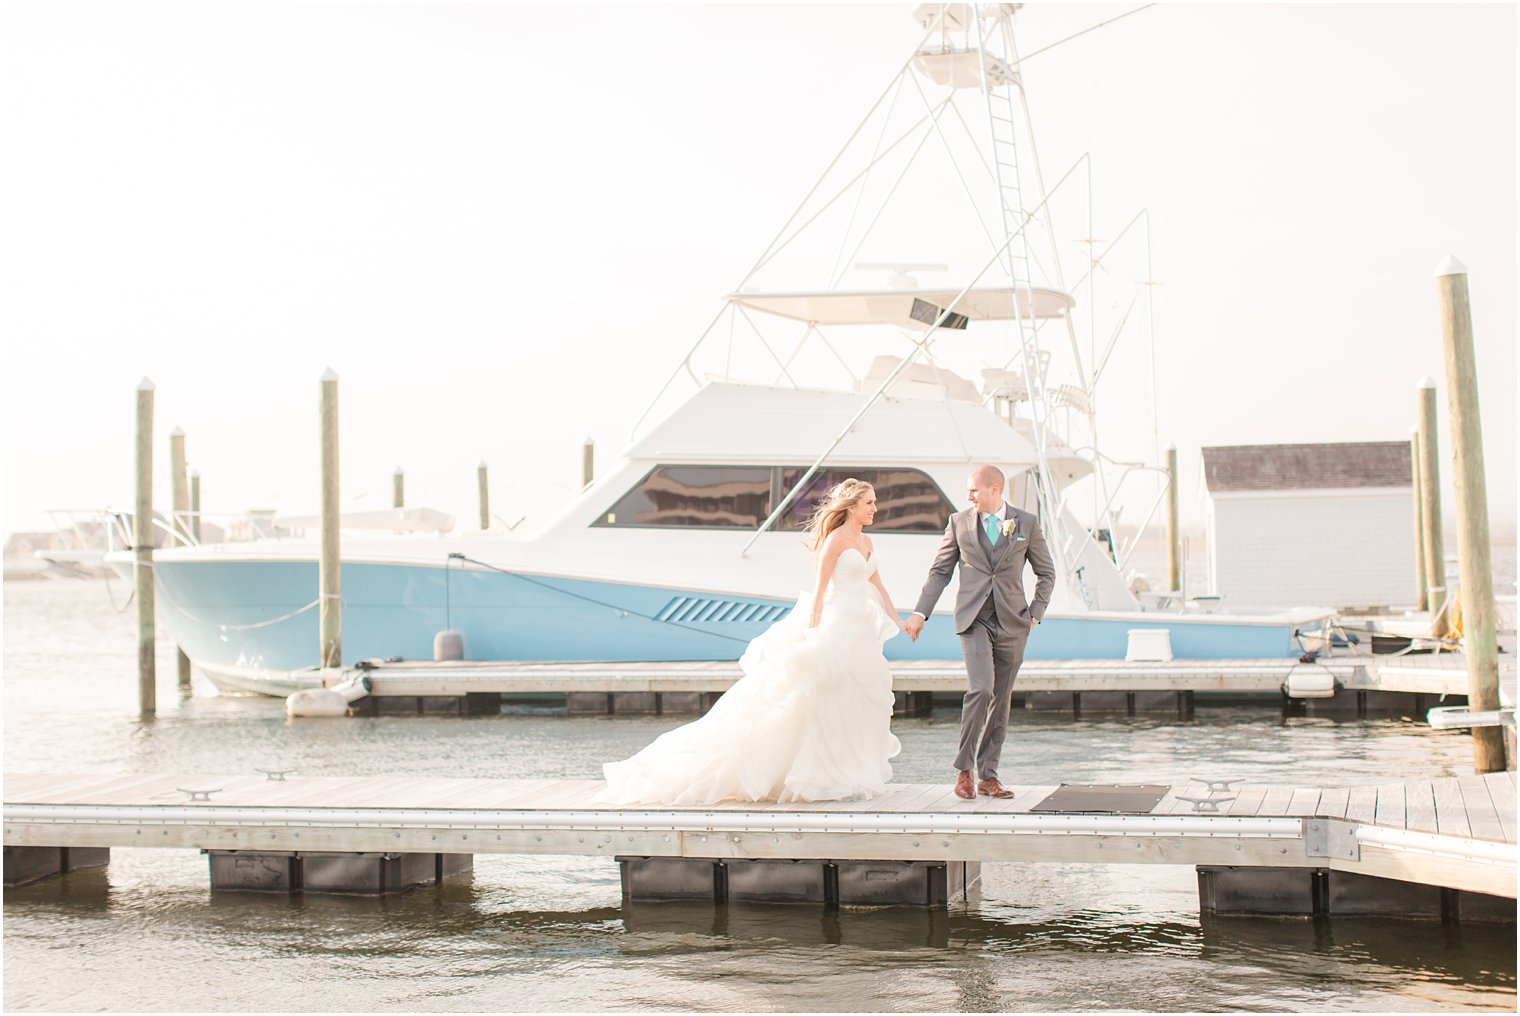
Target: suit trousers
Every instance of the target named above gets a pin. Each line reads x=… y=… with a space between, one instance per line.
x=992 y=657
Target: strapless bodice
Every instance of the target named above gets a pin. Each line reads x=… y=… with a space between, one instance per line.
x=853 y=569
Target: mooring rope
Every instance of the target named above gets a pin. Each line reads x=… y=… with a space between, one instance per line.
x=599 y=603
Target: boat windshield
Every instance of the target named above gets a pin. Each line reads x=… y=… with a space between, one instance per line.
x=741 y=497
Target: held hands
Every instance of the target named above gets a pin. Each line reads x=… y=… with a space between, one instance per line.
x=912 y=627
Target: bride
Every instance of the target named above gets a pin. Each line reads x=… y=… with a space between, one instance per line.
x=810 y=718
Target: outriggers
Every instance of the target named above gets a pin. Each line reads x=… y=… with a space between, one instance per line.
x=812 y=370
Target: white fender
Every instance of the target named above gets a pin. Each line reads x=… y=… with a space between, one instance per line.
x=316 y=702
x=327 y=701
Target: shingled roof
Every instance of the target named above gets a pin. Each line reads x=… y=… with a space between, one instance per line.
x=1307 y=466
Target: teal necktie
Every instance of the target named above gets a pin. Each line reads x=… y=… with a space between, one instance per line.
x=991 y=525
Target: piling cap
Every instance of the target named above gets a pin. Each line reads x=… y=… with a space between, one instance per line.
x=1171 y=446
x=329 y=375
x=399 y=471
x=195 y=474
x=145 y=385
x=177 y=432
x=589 y=441
x=1426 y=382
x=1450 y=266
x=481 y=464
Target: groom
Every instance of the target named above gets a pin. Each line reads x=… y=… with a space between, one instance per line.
x=990 y=540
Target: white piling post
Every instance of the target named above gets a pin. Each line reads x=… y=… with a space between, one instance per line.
x=588 y=463
x=398 y=488
x=179 y=523
x=1430 y=507
x=485 y=495
x=1421 y=586
x=1173 y=522
x=142 y=552
x=195 y=504
x=329 y=569
x=1479 y=639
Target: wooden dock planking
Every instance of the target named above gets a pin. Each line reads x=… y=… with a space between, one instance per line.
x=940 y=800
x=1025 y=798
x=549 y=794
x=1501 y=792
x=1333 y=802
x=92 y=789
x=1451 y=813
x=458 y=678
x=42 y=788
x=316 y=792
x=442 y=814
x=1303 y=802
x=932 y=794
x=1247 y=801
x=1389 y=811
x=1420 y=806
x=1275 y=801
x=268 y=793
x=1482 y=816
x=1361 y=804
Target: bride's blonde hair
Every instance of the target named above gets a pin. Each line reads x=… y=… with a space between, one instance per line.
x=831 y=514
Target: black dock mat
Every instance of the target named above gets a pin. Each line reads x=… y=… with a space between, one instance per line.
x=1103 y=799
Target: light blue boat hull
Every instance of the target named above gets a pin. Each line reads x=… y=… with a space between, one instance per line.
x=249 y=615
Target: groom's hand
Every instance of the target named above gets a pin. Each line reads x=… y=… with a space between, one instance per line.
x=913 y=626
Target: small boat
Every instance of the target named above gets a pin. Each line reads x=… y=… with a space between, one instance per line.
x=691 y=545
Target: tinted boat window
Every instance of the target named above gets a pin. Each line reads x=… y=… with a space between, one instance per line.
x=907 y=501
x=741 y=497
x=708 y=497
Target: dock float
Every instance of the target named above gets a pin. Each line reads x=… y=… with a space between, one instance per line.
x=1358 y=685
x=1439 y=849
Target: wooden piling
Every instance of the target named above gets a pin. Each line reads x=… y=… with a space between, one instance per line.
x=329 y=569
x=1479 y=641
x=485 y=495
x=179 y=523
x=142 y=552
x=1421 y=586
x=588 y=463
x=195 y=504
x=398 y=488
x=1430 y=508
x=1173 y=522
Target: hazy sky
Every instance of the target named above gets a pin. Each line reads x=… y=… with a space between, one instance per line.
x=503 y=225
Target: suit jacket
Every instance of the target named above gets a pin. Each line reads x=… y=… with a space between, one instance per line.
x=988 y=569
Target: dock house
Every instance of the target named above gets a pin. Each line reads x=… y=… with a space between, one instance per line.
x=1325 y=524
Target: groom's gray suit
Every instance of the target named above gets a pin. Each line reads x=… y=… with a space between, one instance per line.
x=992 y=618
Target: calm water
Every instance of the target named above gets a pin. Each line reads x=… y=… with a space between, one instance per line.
x=550 y=933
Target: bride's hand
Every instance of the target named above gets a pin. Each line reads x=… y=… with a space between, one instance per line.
x=813 y=621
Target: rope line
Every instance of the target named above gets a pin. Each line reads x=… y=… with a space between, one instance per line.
x=246 y=627
x=599 y=603
x=1090 y=28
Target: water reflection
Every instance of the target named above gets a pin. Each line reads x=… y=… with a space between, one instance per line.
x=475 y=940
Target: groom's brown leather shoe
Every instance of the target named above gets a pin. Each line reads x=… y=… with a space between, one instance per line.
x=963 y=785
x=992 y=788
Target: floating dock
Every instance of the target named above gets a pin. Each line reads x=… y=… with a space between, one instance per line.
x=1360 y=684
x=1441 y=848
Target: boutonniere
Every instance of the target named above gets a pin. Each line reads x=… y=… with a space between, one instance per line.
x=1010 y=530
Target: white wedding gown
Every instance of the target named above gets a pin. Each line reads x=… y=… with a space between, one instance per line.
x=809 y=720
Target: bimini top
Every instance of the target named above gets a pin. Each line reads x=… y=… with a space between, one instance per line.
x=907 y=308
